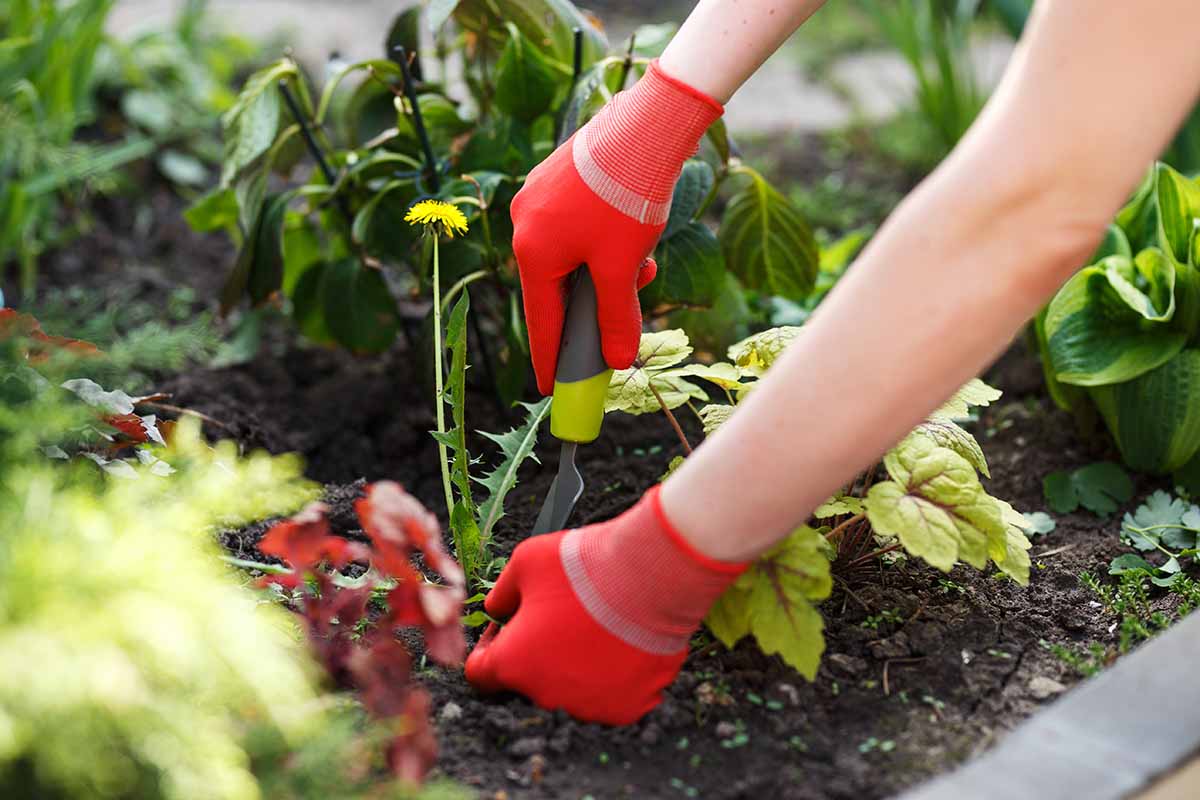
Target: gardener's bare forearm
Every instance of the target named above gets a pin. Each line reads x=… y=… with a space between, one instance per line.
x=723 y=42
x=1094 y=93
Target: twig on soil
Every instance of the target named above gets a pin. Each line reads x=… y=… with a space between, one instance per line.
x=887 y=691
x=187 y=412
x=856 y=518
x=1056 y=551
x=850 y=592
x=687 y=447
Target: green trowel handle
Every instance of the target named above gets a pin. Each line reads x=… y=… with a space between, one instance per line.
x=581 y=382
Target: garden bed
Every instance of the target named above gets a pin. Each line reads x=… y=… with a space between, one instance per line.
x=922 y=671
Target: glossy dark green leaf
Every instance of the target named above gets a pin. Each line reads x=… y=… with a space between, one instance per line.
x=715 y=329
x=214 y=211
x=766 y=241
x=358 y=308
x=526 y=82
x=548 y=24
x=405 y=32
x=694 y=184
x=308 y=305
x=301 y=249
x=691 y=269
x=258 y=270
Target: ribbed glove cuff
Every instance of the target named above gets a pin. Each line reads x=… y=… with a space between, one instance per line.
x=641 y=580
x=631 y=153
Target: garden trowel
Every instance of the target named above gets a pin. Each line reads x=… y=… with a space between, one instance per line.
x=580 y=384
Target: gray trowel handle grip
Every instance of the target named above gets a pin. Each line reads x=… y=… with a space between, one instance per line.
x=581 y=381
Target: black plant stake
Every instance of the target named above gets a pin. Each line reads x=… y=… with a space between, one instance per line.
x=627 y=64
x=410 y=91
x=314 y=148
x=565 y=124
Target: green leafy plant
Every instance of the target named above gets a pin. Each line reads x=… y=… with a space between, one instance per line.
x=933 y=37
x=929 y=502
x=120 y=625
x=1136 y=618
x=47 y=52
x=1166 y=524
x=1100 y=488
x=399 y=136
x=170 y=84
x=1120 y=334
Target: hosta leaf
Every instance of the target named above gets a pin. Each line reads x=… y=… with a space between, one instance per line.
x=525 y=81
x=358 y=309
x=1100 y=329
x=1155 y=418
x=785 y=582
x=935 y=505
x=839 y=506
x=515 y=446
x=766 y=241
x=946 y=433
x=755 y=354
x=694 y=184
x=973 y=393
x=691 y=269
x=630 y=391
x=714 y=416
x=1178 y=205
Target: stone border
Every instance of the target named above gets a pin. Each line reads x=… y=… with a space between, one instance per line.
x=1108 y=739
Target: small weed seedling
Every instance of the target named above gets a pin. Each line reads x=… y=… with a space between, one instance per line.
x=1100 y=488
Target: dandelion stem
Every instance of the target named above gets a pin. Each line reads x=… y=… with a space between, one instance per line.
x=687 y=447
x=439 y=401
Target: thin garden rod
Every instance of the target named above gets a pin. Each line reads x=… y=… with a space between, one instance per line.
x=627 y=64
x=410 y=91
x=577 y=64
x=314 y=148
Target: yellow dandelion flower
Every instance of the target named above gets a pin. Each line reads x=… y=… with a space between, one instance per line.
x=445 y=217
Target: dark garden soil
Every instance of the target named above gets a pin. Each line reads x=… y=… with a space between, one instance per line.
x=922 y=671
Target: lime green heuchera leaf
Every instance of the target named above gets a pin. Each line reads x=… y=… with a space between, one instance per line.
x=1155 y=418
x=724 y=375
x=714 y=416
x=773 y=600
x=935 y=505
x=630 y=389
x=839 y=506
x=973 y=393
x=1011 y=555
x=946 y=433
x=755 y=354
x=1101 y=328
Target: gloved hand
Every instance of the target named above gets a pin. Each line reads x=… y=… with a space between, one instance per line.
x=600 y=617
x=602 y=199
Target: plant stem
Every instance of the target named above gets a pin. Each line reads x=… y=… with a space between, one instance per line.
x=856 y=518
x=687 y=447
x=627 y=64
x=874 y=554
x=439 y=403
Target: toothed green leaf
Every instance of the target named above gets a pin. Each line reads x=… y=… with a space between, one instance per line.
x=515 y=446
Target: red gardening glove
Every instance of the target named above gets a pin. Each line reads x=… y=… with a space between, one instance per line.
x=600 y=617
x=602 y=199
